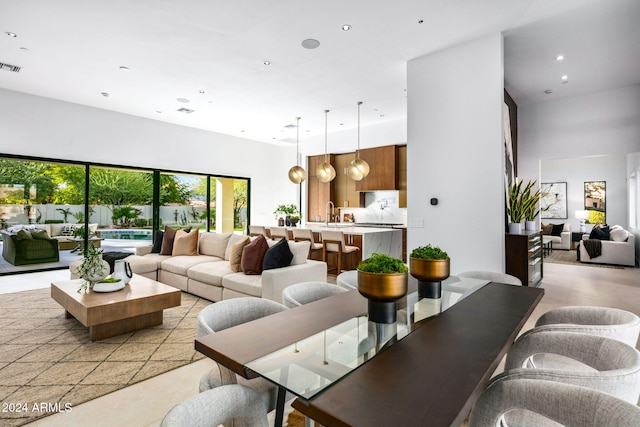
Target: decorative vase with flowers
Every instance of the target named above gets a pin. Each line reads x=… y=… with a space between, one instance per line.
x=430 y=265
x=92 y=268
x=382 y=280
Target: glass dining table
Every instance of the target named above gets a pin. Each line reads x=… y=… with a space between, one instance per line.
x=309 y=350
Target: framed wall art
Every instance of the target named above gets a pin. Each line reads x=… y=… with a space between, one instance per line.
x=595 y=193
x=553 y=201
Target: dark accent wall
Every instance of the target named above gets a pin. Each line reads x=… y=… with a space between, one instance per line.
x=513 y=120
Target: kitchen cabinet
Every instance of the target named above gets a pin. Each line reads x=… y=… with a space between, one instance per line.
x=401 y=161
x=318 y=193
x=383 y=171
x=344 y=188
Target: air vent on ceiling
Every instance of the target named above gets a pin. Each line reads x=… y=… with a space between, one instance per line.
x=185 y=110
x=9 y=67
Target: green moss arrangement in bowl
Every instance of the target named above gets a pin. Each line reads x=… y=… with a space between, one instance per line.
x=430 y=265
x=382 y=280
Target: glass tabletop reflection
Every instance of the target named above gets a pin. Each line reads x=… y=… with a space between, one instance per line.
x=309 y=366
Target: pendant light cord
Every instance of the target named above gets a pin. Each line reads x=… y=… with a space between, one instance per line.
x=297 y=141
x=359 y=104
x=326 y=112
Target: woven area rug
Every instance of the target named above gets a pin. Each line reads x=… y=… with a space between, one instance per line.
x=570 y=257
x=47 y=359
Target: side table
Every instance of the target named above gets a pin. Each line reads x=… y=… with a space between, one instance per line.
x=576 y=236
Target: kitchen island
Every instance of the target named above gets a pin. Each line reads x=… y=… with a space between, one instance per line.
x=370 y=240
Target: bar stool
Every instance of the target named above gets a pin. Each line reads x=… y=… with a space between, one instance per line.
x=302 y=234
x=278 y=233
x=333 y=242
x=257 y=230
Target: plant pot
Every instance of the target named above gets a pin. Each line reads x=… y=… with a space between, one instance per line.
x=530 y=225
x=430 y=274
x=382 y=290
x=515 y=227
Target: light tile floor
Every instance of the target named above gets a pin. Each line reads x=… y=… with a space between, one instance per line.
x=145 y=403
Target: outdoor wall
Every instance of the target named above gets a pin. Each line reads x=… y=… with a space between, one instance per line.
x=455 y=154
x=43 y=127
x=611 y=169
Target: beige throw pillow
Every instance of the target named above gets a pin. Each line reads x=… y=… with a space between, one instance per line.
x=185 y=243
x=235 y=254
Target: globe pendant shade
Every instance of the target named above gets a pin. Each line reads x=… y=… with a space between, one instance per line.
x=360 y=165
x=354 y=172
x=325 y=172
x=297 y=174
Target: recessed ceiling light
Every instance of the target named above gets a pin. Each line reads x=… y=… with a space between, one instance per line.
x=421 y=21
x=123 y=68
x=159 y=111
x=564 y=77
x=23 y=48
x=310 y=43
x=10 y=34
x=267 y=62
x=183 y=100
x=105 y=94
x=200 y=91
x=560 y=58
x=548 y=92
x=346 y=27
x=185 y=110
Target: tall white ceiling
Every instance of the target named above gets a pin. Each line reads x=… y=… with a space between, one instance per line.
x=72 y=50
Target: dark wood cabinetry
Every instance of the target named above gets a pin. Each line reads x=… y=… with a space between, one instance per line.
x=383 y=173
x=318 y=193
x=523 y=254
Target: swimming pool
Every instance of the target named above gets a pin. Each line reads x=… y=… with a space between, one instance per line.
x=126 y=234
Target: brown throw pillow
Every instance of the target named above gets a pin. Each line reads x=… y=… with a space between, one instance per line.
x=253 y=255
x=546 y=229
x=185 y=243
x=235 y=255
x=167 y=241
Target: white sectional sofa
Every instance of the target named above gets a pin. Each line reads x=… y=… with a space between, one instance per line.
x=210 y=276
x=563 y=241
x=620 y=250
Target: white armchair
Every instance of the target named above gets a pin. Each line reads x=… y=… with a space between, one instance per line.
x=563 y=241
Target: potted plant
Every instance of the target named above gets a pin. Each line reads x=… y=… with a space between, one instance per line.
x=430 y=265
x=92 y=268
x=516 y=207
x=288 y=211
x=531 y=206
x=382 y=280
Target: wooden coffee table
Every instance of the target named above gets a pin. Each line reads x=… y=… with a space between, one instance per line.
x=139 y=305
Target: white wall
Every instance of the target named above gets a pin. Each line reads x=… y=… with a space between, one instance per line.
x=576 y=171
x=43 y=127
x=600 y=123
x=455 y=153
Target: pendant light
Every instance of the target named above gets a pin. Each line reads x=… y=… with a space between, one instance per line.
x=325 y=172
x=297 y=174
x=358 y=168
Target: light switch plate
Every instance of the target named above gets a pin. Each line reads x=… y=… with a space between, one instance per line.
x=416 y=223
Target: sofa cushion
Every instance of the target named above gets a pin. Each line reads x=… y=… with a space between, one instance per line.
x=557 y=229
x=214 y=244
x=300 y=250
x=253 y=255
x=546 y=229
x=157 y=243
x=167 y=241
x=233 y=239
x=210 y=273
x=243 y=283
x=277 y=256
x=185 y=243
x=24 y=234
x=181 y=264
x=618 y=234
x=235 y=256
x=40 y=234
x=141 y=264
x=600 y=233
x=157 y=258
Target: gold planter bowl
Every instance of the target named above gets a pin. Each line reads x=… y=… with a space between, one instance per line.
x=382 y=286
x=429 y=270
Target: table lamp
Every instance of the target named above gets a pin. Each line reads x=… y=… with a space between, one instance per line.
x=583 y=216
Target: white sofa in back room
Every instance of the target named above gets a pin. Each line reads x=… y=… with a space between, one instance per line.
x=209 y=275
x=619 y=250
x=561 y=240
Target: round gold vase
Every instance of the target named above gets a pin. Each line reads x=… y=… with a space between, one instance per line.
x=382 y=290
x=430 y=273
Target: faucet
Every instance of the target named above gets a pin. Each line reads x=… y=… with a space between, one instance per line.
x=326 y=219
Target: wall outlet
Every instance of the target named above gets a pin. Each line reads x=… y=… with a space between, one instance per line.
x=416 y=223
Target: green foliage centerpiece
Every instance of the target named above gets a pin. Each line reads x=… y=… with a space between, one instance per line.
x=430 y=265
x=382 y=280
x=291 y=214
x=92 y=268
